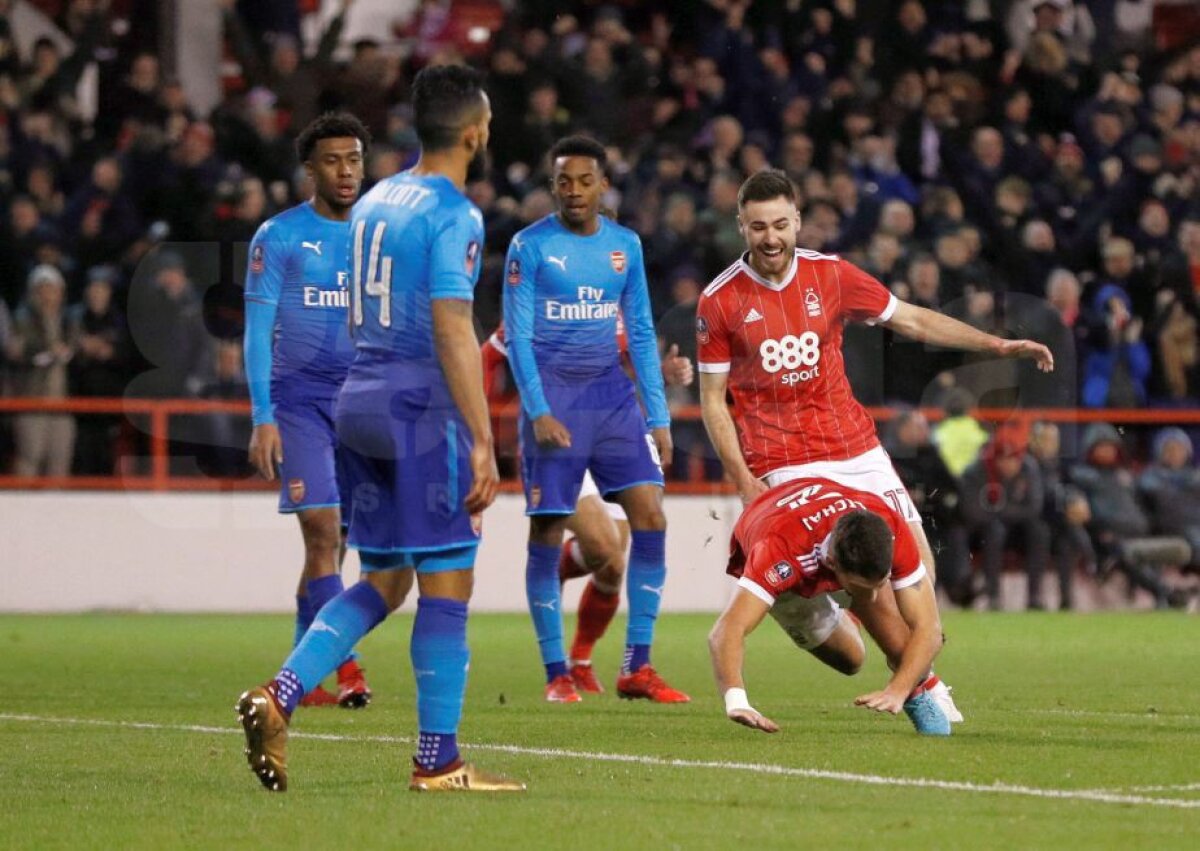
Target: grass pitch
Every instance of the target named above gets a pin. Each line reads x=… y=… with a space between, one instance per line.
x=1082 y=731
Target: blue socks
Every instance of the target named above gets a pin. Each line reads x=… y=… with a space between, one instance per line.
x=440 y=659
x=542 y=590
x=304 y=616
x=334 y=631
x=323 y=589
x=320 y=591
x=645 y=579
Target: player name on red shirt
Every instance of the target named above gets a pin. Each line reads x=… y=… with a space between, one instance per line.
x=782 y=347
x=779 y=543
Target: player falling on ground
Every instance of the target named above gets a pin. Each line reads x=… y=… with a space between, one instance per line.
x=414 y=421
x=599 y=530
x=298 y=350
x=566 y=277
x=769 y=329
x=795 y=547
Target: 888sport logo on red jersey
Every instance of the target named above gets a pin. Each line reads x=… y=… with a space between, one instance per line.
x=797 y=357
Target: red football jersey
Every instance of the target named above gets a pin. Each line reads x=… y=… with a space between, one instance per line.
x=782 y=347
x=779 y=542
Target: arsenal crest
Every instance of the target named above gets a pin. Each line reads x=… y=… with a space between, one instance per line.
x=618 y=261
x=296 y=490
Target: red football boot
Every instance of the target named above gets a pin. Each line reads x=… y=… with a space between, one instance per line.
x=562 y=690
x=319 y=696
x=584 y=677
x=646 y=683
x=353 y=691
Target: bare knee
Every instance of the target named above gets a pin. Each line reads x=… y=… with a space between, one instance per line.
x=393 y=585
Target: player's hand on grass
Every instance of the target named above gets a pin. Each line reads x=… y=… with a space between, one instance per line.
x=881 y=701
x=1028 y=349
x=753 y=719
x=676 y=369
x=664 y=445
x=548 y=431
x=485 y=478
x=266 y=450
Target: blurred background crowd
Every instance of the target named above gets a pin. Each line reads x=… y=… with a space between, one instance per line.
x=1029 y=166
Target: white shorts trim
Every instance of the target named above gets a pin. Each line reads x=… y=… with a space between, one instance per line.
x=588 y=488
x=871 y=472
x=713 y=367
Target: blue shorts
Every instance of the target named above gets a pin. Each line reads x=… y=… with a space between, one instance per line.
x=408 y=467
x=312 y=474
x=608 y=437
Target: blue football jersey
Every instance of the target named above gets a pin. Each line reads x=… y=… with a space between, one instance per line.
x=414 y=239
x=562 y=295
x=299 y=262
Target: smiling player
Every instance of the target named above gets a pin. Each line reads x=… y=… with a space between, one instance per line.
x=769 y=331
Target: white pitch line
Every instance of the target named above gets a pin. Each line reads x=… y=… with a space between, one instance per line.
x=1100 y=796
x=1181 y=787
x=1084 y=713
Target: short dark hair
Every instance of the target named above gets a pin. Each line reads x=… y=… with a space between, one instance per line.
x=579 y=146
x=446 y=98
x=766 y=185
x=331 y=125
x=862 y=545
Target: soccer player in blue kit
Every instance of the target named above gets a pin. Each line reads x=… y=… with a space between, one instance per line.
x=414 y=421
x=567 y=276
x=298 y=350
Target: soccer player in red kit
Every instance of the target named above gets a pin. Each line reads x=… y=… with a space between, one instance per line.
x=769 y=331
x=797 y=546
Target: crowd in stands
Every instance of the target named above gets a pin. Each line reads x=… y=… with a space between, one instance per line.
x=1031 y=167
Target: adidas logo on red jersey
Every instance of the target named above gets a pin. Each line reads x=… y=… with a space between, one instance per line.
x=752 y=316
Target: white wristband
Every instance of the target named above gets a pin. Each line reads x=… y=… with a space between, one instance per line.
x=735 y=699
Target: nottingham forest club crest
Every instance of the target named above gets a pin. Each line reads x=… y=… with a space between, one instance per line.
x=618 y=261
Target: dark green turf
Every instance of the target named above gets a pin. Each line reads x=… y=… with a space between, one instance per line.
x=1053 y=702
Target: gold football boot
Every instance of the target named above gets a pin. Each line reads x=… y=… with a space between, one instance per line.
x=464 y=778
x=266 y=737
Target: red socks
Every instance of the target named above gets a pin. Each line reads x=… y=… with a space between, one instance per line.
x=596 y=610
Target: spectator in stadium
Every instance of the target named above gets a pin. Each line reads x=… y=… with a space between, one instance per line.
x=1181 y=268
x=296 y=80
x=168 y=328
x=1171 y=488
x=101 y=216
x=935 y=494
x=1066 y=511
x=677 y=332
x=959 y=437
x=1002 y=501
x=1120 y=527
x=1118 y=363
x=100 y=367
x=38 y=353
x=222 y=439
x=27 y=229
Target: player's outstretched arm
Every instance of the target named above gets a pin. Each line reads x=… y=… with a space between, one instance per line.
x=723 y=434
x=458 y=353
x=727 y=646
x=928 y=326
x=918 y=610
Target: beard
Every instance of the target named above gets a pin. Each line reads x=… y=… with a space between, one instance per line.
x=479 y=166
